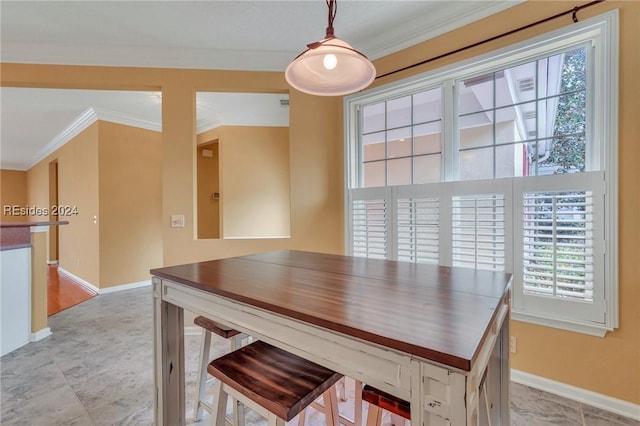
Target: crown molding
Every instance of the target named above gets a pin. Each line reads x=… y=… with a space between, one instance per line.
x=77 y=126
x=126 y=119
x=207 y=125
x=84 y=120
x=456 y=15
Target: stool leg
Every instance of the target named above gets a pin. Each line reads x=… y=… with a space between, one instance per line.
x=274 y=420
x=205 y=347
x=330 y=403
x=219 y=409
x=236 y=341
x=301 y=417
x=487 y=405
x=357 y=412
x=238 y=413
x=238 y=408
x=374 y=417
x=342 y=389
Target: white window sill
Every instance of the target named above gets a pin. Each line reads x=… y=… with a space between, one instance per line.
x=591 y=329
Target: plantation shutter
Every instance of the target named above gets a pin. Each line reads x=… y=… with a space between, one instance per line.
x=481 y=224
x=560 y=245
x=418 y=223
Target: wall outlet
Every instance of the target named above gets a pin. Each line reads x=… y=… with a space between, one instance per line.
x=177 y=221
x=513 y=344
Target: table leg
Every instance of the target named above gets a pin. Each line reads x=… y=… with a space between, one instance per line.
x=505 y=388
x=168 y=334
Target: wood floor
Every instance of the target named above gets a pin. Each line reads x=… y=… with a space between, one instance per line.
x=64 y=293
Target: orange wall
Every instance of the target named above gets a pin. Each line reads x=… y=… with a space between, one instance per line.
x=77 y=187
x=254 y=180
x=13 y=192
x=110 y=172
x=609 y=365
x=130 y=220
x=315 y=149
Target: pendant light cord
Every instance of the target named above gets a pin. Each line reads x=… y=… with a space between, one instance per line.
x=573 y=13
x=333 y=8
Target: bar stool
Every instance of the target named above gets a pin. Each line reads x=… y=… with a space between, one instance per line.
x=379 y=400
x=274 y=383
x=235 y=337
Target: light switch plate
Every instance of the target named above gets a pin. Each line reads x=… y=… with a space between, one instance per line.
x=177 y=221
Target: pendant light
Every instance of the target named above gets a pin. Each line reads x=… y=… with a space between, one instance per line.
x=330 y=67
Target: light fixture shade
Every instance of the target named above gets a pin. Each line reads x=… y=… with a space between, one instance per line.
x=316 y=72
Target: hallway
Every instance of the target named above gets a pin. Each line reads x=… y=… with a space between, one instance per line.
x=62 y=292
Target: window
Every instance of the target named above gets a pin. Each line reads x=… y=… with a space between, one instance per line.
x=525 y=120
x=506 y=162
x=401 y=140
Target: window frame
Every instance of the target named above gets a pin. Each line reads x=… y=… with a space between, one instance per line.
x=602 y=32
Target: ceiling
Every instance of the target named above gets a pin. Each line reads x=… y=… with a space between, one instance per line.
x=248 y=35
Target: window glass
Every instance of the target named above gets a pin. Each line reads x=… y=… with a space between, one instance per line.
x=373 y=174
x=514 y=160
x=399 y=142
x=475 y=94
x=476 y=164
x=373 y=147
x=476 y=130
x=399 y=172
x=373 y=118
x=399 y=112
x=427 y=138
x=427 y=168
x=427 y=106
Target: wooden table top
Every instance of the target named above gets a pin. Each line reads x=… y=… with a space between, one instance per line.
x=433 y=312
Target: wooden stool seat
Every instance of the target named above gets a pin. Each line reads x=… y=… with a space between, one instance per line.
x=381 y=400
x=215 y=328
x=281 y=383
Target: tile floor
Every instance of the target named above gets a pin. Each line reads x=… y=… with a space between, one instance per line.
x=96 y=369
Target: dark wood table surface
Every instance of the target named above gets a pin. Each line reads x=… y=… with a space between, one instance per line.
x=438 y=313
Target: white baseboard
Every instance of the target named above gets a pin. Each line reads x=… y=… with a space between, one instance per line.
x=79 y=280
x=94 y=289
x=122 y=287
x=598 y=400
x=40 y=334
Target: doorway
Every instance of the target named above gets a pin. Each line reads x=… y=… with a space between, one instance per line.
x=53 y=201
